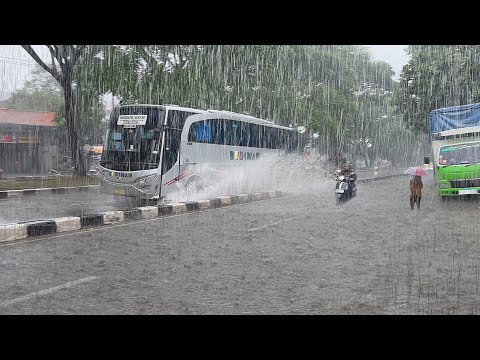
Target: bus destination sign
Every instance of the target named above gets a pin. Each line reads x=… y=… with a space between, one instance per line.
x=131 y=121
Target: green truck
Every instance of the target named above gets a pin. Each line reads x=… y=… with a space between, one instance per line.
x=455 y=142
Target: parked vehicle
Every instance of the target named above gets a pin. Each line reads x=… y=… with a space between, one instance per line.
x=455 y=142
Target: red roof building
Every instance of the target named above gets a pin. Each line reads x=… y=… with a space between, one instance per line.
x=28 y=141
x=26 y=117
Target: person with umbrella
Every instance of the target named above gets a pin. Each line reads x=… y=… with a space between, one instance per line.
x=416 y=186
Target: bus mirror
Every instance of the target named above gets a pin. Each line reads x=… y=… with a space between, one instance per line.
x=426 y=160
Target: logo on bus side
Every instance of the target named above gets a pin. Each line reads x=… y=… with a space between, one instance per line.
x=116 y=173
x=243 y=155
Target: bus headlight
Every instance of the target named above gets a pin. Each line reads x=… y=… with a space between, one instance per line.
x=144 y=182
x=445 y=185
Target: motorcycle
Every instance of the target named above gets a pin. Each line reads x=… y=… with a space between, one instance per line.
x=345 y=188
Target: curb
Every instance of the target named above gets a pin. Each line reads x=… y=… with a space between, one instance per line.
x=380 y=178
x=31 y=229
x=36 y=228
x=77 y=189
x=60 y=190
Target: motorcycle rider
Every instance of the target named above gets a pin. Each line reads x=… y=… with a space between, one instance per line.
x=350 y=176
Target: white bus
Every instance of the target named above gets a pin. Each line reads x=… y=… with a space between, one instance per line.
x=152 y=151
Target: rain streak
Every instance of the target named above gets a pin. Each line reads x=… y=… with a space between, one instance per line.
x=239 y=179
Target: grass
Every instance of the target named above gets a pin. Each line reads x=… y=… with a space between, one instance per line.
x=47 y=182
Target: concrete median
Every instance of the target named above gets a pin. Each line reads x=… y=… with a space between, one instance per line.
x=38 y=228
x=10 y=232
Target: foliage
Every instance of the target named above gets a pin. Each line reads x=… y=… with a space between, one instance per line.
x=438 y=76
x=325 y=88
x=41 y=93
x=336 y=91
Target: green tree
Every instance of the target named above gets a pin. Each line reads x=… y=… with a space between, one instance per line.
x=64 y=60
x=437 y=76
x=41 y=93
x=338 y=91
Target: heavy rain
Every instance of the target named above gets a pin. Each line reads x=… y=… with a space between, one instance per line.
x=239 y=179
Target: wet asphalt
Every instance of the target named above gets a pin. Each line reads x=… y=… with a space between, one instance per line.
x=300 y=254
x=48 y=206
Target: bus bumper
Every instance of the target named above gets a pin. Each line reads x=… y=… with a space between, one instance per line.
x=121 y=189
x=458 y=191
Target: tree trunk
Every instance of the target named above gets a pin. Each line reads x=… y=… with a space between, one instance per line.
x=366 y=155
x=69 y=94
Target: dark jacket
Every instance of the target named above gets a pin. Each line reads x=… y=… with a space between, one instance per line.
x=349 y=174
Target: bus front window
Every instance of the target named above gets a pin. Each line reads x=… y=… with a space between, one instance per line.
x=460 y=154
x=131 y=148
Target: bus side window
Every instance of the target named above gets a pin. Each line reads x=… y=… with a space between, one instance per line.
x=254 y=135
x=268 y=137
x=204 y=131
x=192 y=132
x=231 y=129
x=290 y=141
x=274 y=139
x=242 y=134
x=281 y=139
x=263 y=137
x=217 y=131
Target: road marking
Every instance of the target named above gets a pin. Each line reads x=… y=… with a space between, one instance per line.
x=275 y=223
x=258 y=228
x=48 y=291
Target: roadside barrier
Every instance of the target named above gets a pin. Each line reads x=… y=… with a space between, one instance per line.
x=79 y=189
x=380 y=178
x=60 y=190
x=36 y=228
x=29 y=229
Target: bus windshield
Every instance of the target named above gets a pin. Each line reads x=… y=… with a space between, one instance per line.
x=459 y=154
x=133 y=147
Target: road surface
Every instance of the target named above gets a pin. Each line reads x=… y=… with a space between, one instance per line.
x=301 y=254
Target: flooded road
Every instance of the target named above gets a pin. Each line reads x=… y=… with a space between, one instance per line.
x=300 y=254
x=45 y=206
x=48 y=206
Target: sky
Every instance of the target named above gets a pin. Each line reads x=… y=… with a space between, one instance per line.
x=16 y=64
x=15 y=67
x=394 y=55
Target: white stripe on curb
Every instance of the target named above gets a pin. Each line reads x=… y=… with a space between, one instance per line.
x=225 y=200
x=111 y=217
x=178 y=208
x=67 y=223
x=242 y=198
x=18 y=231
x=13 y=232
x=148 y=212
x=203 y=204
